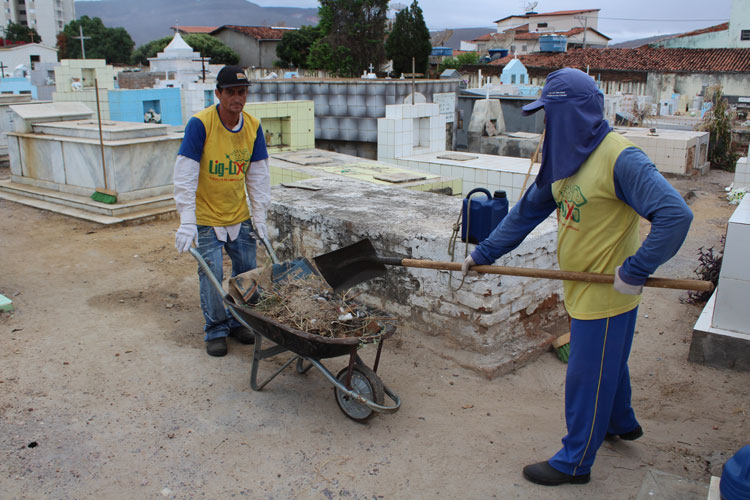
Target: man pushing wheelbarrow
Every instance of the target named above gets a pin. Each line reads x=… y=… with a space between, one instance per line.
x=223 y=152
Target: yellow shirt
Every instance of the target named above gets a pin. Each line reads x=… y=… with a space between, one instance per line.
x=596 y=232
x=220 y=198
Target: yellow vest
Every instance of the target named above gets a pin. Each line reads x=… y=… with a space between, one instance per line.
x=596 y=231
x=220 y=199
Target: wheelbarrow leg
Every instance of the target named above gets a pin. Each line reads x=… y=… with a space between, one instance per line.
x=301 y=368
x=259 y=354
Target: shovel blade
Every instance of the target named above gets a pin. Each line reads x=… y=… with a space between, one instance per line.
x=350 y=265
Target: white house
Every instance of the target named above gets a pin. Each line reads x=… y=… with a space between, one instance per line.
x=28 y=55
x=561 y=20
x=520 y=33
x=732 y=35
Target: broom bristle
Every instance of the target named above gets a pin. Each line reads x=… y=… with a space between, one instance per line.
x=103 y=197
x=563 y=353
x=562 y=347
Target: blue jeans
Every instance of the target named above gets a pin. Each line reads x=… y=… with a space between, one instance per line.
x=242 y=253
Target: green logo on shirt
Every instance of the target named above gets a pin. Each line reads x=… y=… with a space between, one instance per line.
x=571 y=199
x=237 y=163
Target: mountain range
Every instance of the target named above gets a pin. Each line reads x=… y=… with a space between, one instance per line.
x=148 y=20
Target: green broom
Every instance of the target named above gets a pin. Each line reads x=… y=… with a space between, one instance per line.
x=562 y=347
x=102 y=195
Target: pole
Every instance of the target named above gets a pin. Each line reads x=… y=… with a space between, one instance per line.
x=585 y=29
x=101 y=139
x=413 y=77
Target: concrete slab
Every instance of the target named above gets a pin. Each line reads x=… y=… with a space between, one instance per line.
x=85 y=208
x=659 y=485
x=717 y=347
x=713 y=489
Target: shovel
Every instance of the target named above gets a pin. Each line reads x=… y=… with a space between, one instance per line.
x=357 y=263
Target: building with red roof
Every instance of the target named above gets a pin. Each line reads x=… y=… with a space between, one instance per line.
x=256 y=45
x=656 y=72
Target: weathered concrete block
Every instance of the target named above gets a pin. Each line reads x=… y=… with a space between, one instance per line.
x=498 y=316
x=521 y=303
x=483 y=319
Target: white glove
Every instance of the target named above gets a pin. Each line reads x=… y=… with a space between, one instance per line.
x=186 y=235
x=466 y=265
x=625 y=288
x=261 y=230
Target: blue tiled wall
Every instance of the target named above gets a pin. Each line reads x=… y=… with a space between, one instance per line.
x=127 y=105
x=17 y=86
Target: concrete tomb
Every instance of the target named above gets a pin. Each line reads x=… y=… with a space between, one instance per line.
x=721 y=336
x=56 y=156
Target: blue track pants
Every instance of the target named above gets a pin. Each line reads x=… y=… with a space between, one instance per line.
x=597 y=389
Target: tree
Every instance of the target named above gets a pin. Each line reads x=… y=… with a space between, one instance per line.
x=205 y=45
x=352 y=36
x=458 y=61
x=294 y=48
x=15 y=32
x=112 y=44
x=409 y=39
x=718 y=122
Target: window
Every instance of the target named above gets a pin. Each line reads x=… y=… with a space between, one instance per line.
x=745 y=35
x=524 y=48
x=512 y=48
x=512 y=79
x=541 y=25
x=521 y=78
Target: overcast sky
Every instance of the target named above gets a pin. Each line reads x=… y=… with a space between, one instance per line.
x=621 y=20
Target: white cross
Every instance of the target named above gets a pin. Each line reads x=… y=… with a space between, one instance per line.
x=370 y=67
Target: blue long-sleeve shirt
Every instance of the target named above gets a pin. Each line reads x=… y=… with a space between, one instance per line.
x=637 y=183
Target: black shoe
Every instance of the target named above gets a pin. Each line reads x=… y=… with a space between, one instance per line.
x=543 y=473
x=628 y=436
x=217 y=347
x=242 y=335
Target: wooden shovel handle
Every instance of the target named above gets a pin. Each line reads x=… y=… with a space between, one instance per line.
x=698 y=285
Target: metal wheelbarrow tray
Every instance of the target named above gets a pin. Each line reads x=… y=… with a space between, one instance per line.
x=358 y=390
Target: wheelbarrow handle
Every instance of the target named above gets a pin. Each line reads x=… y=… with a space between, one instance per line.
x=270 y=251
x=207 y=270
x=679 y=284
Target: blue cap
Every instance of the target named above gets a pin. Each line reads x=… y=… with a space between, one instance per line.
x=561 y=85
x=735 y=478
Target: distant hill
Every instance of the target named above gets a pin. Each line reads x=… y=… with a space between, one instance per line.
x=147 y=20
x=467 y=34
x=640 y=42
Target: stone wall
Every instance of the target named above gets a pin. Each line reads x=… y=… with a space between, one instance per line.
x=138 y=79
x=490 y=324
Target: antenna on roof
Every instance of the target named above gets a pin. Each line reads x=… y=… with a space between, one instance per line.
x=530 y=6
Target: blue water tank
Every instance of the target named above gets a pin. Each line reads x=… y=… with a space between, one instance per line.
x=442 y=51
x=500 y=52
x=480 y=217
x=553 y=43
x=735 y=478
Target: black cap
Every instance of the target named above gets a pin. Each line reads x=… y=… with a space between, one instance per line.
x=231 y=76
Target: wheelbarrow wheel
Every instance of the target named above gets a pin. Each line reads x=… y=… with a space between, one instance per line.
x=366 y=383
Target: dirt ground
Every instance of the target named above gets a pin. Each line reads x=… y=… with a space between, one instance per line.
x=106 y=390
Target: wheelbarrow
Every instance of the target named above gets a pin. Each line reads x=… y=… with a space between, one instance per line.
x=358 y=390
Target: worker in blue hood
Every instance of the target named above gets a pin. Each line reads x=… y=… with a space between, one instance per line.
x=600 y=185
